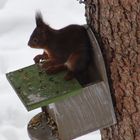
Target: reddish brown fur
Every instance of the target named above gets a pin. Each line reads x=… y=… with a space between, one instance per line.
x=67 y=48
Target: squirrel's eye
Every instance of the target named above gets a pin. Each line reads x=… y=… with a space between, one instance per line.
x=35 y=40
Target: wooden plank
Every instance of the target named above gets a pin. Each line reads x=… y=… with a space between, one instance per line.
x=84 y=113
x=36 y=88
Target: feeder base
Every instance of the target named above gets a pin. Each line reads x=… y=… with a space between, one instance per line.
x=38 y=128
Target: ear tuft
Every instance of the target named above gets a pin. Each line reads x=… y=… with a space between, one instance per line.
x=39 y=19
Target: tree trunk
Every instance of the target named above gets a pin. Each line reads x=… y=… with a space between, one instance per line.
x=116 y=24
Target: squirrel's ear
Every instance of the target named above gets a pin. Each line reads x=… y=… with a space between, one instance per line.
x=39 y=19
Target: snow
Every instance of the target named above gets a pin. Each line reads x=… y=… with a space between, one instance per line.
x=17 y=22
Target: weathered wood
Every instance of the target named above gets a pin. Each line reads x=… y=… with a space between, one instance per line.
x=36 y=88
x=84 y=113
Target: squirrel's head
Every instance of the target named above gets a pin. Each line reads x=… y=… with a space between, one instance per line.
x=38 y=38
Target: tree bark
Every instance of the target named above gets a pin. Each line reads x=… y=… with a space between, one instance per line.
x=116 y=24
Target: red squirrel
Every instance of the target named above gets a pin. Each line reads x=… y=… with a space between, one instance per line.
x=64 y=49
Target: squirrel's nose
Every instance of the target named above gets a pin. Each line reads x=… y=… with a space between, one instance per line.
x=29 y=43
x=32 y=42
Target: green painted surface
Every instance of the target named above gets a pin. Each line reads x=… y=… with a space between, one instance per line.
x=36 y=88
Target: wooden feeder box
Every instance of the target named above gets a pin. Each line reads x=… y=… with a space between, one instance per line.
x=69 y=110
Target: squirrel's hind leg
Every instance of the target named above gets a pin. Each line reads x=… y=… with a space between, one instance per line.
x=69 y=76
x=77 y=61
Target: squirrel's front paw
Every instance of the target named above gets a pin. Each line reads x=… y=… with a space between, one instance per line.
x=45 y=65
x=48 y=63
x=51 y=70
x=37 y=58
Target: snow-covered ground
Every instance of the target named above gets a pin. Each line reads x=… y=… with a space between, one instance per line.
x=16 y=24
